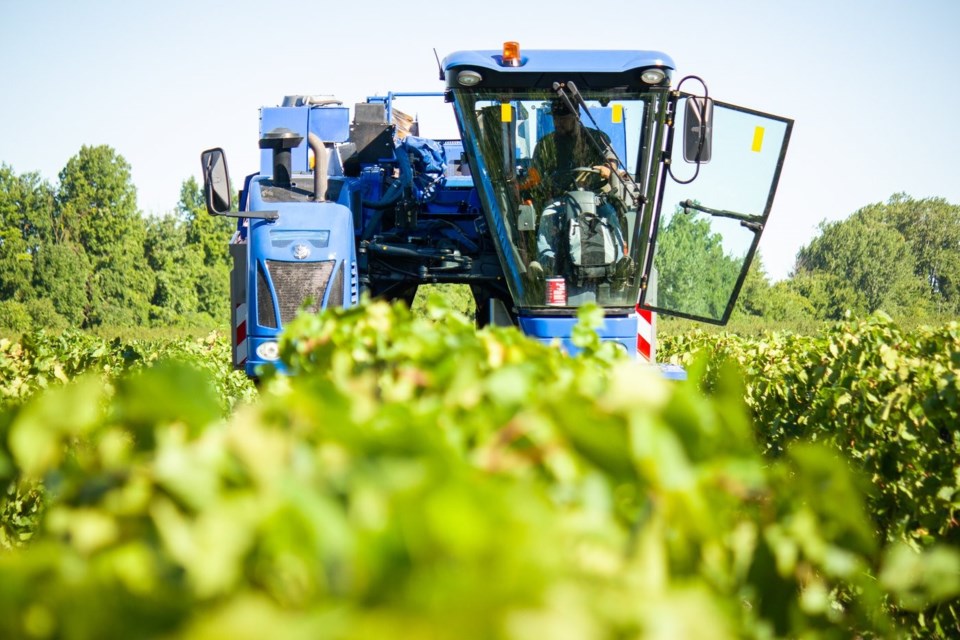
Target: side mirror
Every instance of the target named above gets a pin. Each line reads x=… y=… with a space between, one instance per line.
x=698 y=130
x=216 y=182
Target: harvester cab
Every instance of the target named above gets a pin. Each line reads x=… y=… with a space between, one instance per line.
x=565 y=235
x=562 y=188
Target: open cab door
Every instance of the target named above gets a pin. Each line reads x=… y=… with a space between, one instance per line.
x=712 y=210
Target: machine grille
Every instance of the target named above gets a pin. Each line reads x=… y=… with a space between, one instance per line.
x=294 y=282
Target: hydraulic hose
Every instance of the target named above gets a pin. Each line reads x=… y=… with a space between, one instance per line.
x=390 y=197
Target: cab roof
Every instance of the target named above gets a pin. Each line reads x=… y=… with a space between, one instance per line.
x=557 y=60
x=597 y=68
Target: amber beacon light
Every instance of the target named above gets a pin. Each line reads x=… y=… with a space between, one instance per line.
x=511 y=54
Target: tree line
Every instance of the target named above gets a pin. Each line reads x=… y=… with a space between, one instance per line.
x=81 y=254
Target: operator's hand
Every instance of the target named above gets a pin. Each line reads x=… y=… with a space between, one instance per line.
x=607 y=169
x=603 y=170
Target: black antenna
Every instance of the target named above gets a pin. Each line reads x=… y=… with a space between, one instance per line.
x=439 y=64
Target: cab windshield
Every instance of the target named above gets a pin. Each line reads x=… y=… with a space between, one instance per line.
x=564 y=189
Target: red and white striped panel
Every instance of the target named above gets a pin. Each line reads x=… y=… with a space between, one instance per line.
x=646 y=334
x=240 y=335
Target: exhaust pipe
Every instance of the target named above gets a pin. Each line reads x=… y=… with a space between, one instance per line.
x=321 y=167
x=281 y=140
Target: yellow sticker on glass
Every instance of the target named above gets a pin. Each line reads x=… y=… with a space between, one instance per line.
x=506 y=112
x=617 y=115
x=757 y=139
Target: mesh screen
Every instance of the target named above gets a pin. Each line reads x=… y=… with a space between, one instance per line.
x=294 y=282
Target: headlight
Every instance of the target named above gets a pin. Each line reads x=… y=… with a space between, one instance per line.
x=468 y=78
x=622 y=347
x=268 y=351
x=653 y=76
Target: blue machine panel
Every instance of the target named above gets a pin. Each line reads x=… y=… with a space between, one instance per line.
x=305 y=233
x=622 y=330
x=330 y=124
x=293 y=118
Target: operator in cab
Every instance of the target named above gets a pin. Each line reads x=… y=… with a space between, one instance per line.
x=579 y=236
x=562 y=150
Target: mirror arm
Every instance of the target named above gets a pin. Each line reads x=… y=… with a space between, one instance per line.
x=259 y=215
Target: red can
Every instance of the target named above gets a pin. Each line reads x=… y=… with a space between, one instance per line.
x=556 y=292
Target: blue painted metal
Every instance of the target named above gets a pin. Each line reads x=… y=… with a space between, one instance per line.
x=548 y=329
x=330 y=124
x=313 y=223
x=293 y=118
x=672 y=371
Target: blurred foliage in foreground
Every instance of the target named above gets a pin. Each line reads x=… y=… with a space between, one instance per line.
x=886 y=399
x=416 y=474
x=42 y=360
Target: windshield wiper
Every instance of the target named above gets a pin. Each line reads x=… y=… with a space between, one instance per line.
x=604 y=148
x=750 y=221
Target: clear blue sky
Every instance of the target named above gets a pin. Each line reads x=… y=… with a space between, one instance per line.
x=874 y=85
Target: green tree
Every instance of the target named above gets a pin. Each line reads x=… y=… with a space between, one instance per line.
x=178 y=267
x=26 y=206
x=96 y=208
x=931 y=228
x=777 y=302
x=694 y=274
x=63 y=274
x=210 y=233
x=829 y=295
x=211 y=236
x=860 y=265
x=755 y=291
x=96 y=199
x=14 y=315
x=43 y=313
x=785 y=303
